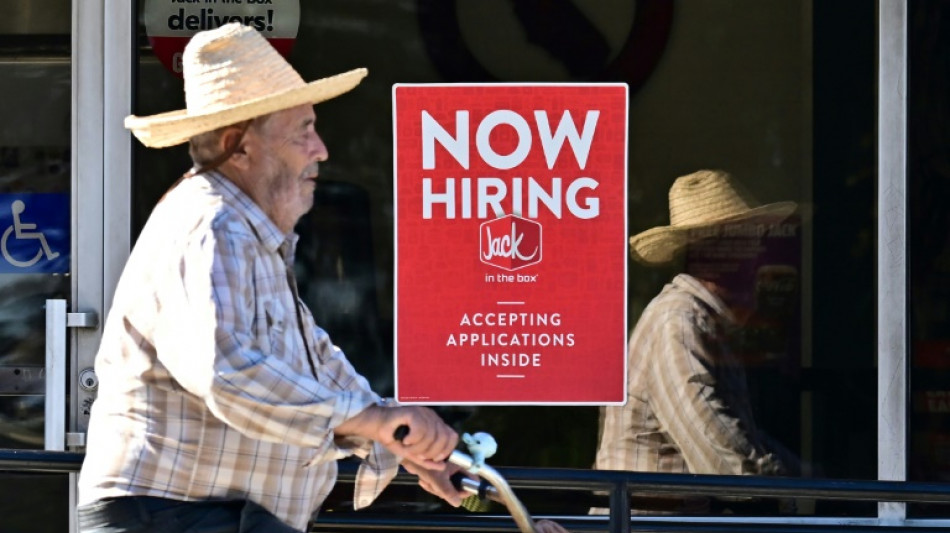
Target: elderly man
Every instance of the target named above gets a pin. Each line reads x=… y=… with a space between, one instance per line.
x=222 y=406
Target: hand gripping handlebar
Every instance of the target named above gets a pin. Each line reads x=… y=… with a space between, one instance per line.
x=499 y=490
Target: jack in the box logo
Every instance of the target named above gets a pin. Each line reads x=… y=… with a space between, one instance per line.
x=510 y=242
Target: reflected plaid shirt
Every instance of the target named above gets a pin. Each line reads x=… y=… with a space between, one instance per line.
x=214 y=380
x=687 y=404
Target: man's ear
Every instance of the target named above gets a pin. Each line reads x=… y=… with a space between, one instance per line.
x=233 y=141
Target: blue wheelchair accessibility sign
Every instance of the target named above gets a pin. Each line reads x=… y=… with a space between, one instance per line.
x=35 y=233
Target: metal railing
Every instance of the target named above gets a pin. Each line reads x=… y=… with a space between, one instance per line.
x=39 y=461
x=619 y=486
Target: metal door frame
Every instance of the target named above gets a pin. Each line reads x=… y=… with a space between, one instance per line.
x=102 y=46
x=101 y=169
x=892 y=344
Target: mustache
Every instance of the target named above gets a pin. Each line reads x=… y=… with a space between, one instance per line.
x=312 y=169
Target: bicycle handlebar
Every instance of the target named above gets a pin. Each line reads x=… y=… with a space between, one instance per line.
x=502 y=491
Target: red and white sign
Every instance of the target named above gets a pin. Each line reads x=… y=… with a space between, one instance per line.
x=170 y=24
x=511 y=243
x=516 y=243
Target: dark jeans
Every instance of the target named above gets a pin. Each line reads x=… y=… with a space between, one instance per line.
x=145 y=514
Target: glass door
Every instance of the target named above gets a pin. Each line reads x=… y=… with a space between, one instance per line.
x=35 y=243
x=64 y=88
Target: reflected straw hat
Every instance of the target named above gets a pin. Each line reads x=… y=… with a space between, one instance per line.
x=701 y=199
x=233 y=74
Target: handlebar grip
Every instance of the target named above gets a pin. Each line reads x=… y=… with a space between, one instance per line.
x=456 y=479
x=401 y=432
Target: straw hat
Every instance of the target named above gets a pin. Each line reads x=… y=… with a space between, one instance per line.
x=233 y=74
x=701 y=199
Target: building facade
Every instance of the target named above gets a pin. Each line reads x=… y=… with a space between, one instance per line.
x=844 y=109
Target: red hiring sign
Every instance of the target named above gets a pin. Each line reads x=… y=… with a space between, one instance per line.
x=511 y=243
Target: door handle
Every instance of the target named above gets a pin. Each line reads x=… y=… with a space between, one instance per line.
x=55 y=369
x=57 y=320
x=84 y=319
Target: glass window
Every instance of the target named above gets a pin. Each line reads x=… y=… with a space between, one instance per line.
x=779 y=93
x=929 y=191
x=35 y=81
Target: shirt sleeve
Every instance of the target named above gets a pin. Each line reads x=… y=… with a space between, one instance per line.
x=379 y=465
x=206 y=339
x=708 y=430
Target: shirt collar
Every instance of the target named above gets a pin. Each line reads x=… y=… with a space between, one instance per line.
x=270 y=235
x=696 y=288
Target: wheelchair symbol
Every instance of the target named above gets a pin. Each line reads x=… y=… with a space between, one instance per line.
x=22 y=232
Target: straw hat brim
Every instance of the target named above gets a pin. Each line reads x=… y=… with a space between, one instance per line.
x=660 y=244
x=176 y=127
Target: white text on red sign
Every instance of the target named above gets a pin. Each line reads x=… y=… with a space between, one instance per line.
x=492 y=191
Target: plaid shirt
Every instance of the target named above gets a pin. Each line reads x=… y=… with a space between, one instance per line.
x=214 y=380
x=687 y=404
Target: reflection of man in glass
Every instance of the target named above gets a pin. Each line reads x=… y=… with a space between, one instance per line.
x=687 y=406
